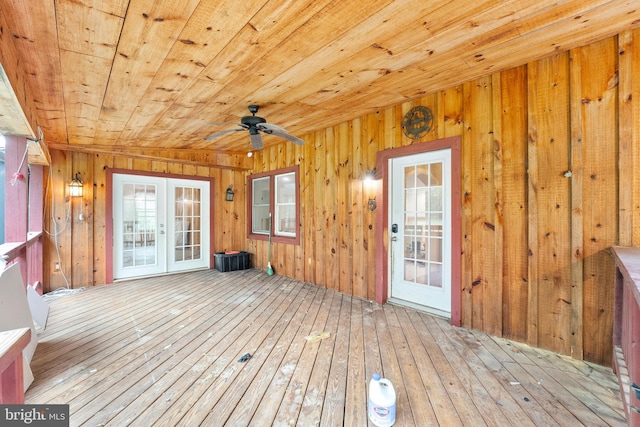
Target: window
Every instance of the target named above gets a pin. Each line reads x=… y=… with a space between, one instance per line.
x=274 y=193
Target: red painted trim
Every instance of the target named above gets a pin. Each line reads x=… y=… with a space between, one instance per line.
x=36 y=214
x=109 y=208
x=382 y=217
x=275 y=239
x=11 y=366
x=16 y=220
x=626 y=327
x=36 y=208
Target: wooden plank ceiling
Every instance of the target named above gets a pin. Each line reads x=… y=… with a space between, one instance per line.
x=116 y=74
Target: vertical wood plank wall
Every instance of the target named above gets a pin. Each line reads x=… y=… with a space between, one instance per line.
x=550 y=180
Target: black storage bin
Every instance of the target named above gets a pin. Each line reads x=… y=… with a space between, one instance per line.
x=230 y=262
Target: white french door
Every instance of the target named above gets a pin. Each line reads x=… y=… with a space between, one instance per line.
x=160 y=225
x=420 y=224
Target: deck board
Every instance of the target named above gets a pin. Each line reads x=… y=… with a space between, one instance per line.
x=165 y=351
x=356 y=391
x=333 y=408
x=529 y=384
x=311 y=411
x=435 y=392
x=422 y=408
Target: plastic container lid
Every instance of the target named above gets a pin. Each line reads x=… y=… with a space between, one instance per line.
x=376 y=377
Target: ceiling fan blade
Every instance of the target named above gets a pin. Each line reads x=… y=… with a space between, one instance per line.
x=271 y=126
x=222 y=132
x=256 y=141
x=281 y=132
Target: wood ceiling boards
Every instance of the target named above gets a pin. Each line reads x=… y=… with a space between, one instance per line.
x=144 y=73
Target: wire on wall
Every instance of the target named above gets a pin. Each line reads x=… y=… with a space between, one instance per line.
x=57 y=230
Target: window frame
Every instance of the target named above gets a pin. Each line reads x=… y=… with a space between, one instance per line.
x=293 y=240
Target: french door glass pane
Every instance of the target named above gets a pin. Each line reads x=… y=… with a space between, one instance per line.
x=139 y=220
x=188 y=223
x=423 y=194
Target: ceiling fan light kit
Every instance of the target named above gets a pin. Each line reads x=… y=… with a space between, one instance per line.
x=257 y=125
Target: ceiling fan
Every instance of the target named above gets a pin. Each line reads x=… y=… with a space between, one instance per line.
x=255 y=125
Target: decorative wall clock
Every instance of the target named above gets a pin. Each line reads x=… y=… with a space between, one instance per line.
x=417 y=122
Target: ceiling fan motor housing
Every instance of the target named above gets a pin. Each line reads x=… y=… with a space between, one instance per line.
x=252 y=121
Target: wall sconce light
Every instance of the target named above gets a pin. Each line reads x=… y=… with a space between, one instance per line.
x=369 y=176
x=75 y=187
x=372 y=205
x=230 y=194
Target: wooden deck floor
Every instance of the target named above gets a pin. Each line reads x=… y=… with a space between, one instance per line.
x=165 y=351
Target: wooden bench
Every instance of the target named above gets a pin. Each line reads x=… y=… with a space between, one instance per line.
x=11 y=364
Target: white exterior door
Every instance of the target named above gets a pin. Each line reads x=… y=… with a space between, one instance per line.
x=420 y=224
x=160 y=225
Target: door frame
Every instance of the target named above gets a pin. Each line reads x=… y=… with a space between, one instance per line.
x=382 y=217
x=109 y=211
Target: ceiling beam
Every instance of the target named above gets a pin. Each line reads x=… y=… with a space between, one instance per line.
x=18 y=113
x=207 y=158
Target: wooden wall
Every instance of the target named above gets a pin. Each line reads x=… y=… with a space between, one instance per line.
x=550 y=180
x=81 y=244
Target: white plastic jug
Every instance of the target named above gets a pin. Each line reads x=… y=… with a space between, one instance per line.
x=382 y=402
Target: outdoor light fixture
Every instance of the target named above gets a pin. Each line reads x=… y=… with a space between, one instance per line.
x=75 y=187
x=372 y=205
x=369 y=178
x=230 y=194
x=369 y=175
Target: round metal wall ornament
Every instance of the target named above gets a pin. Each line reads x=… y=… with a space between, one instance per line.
x=417 y=122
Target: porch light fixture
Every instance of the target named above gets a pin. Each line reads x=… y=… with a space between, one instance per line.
x=368 y=179
x=369 y=176
x=75 y=187
x=372 y=205
x=230 y=194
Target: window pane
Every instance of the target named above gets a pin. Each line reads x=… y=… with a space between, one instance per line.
x=286 y=223
x=261 y=219
x=260 y=208
x=285 y=209
x=285 y=188
x=261 y=191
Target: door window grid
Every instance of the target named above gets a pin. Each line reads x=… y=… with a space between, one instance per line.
x=423 y=216
x=188 y=232
x=139 y=231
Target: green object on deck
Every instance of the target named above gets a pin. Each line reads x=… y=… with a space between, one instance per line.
x=270 y=271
